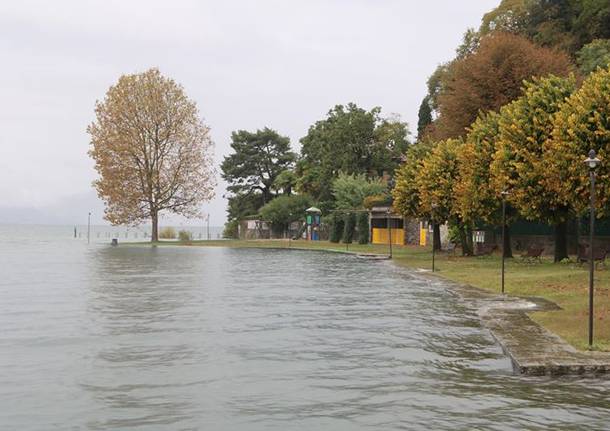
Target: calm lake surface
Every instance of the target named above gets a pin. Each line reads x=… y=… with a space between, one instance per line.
x=97 y=338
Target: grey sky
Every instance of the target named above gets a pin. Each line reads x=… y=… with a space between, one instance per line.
x=248 y=64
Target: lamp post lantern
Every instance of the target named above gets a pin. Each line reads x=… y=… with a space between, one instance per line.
x=504 y=193
x=592 y=162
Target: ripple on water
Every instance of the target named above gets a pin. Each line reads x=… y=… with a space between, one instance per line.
x=191 y=338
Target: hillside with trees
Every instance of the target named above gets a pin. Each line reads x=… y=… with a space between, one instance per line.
x=516 y=110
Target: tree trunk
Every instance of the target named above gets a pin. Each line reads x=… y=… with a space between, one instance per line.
x=507 y=249
x=561 y=241
x=436 y=232
x=465 y=234
x=154 y=236
x=469 y=241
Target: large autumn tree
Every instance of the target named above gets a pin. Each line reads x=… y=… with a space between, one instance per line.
x=152 y=151
x=491 y=77
x=476 y=198
x=436 y=182
x=405 y=194
x=582 y=124
x=525 y=125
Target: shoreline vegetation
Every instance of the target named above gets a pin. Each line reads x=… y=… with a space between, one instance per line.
x=565 y=284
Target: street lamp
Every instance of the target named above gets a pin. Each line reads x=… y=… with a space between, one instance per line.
x=88 y=227
x=208 y=227
x=504 y=193
x=592 y=162
x=389 y=222
x=391 y=184
x=434 y=206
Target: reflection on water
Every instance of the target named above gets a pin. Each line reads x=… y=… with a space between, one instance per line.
x=196 y=338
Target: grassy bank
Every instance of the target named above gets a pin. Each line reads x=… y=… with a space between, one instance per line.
x=566 y=284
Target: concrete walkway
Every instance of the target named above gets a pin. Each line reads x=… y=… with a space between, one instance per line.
x=532 y=349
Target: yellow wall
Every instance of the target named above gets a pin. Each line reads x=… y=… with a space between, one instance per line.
x=380 y=236
x=422 y=236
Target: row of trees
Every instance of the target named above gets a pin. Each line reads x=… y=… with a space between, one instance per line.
x=480 y=131
x=533 y=147
x=342 y=160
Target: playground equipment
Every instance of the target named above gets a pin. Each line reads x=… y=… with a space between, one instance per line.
x=313 y=223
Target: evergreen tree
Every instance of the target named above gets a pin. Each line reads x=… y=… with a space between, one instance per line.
x=424 y=116
x=363 y=228
x=349 y=226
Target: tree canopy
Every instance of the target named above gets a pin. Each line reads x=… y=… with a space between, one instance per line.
x=256 y=161
x=406 y=192
x=582 y=124
x=476 y=198
x=259 y=166
x=349 y=140
x=350 y=191
x=524 y=127
x=490 y=78
x=594 y=55
x=152 y=151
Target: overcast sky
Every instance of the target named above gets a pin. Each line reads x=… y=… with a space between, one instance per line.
x=247 y=64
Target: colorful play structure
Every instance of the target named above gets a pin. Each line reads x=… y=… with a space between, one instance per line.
x=313 y=223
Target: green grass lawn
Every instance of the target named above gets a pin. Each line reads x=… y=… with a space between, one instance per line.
x=566 y=284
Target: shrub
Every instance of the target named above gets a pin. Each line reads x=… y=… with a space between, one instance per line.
x=283 y=210
x=185 y=235
x=231 y=230
x=167 y=233
x=336 y=228
x=363 y=228
x=348 y=227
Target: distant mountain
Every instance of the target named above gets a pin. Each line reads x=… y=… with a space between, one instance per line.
x=73 y=211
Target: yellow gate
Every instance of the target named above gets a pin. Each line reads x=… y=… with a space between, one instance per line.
x=422 y=236
x=380 y=236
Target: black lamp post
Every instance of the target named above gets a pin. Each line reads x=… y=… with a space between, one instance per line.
x=504 y=193
x=592 y=162
x=389 y=222
x=434 y=206
x=391 y=184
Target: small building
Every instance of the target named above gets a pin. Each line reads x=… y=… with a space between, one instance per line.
x=384 y=222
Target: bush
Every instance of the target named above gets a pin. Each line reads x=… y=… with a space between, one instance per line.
x=167 y=233
x=185 y=235
x=231 y=230
x=381 y=200
x=336 y=228
x=283 y=210
x=349 y=227
x=363 y=228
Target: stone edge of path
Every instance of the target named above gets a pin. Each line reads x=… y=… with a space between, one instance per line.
x=532 y=349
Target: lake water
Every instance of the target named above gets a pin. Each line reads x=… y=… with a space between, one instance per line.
x=170 y=338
